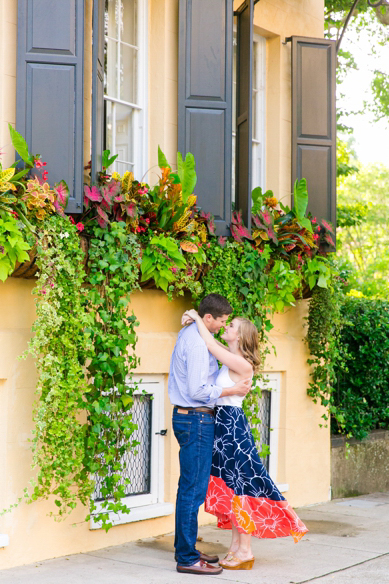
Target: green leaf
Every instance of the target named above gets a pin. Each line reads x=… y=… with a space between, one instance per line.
x=20 y=145
x=4 y=270
x=322 y=281
x=300 y=198
x=126 y=399
x=20 y=174
x=189 y=178
x=162 y=161
x=257 y=196
x=107 y=160
x=306 y=224
x=180 y=167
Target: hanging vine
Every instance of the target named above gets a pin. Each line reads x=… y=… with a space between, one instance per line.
x=60 y=347
x=326 y=357
x=113 y=271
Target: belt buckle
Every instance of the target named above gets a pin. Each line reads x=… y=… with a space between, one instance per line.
x=181 y=411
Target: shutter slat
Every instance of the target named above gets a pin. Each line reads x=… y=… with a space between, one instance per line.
x=205 y=101
x=314 y=122
x=244 y=84
x=50 y=88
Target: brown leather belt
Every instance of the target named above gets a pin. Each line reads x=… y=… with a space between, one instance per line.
x=181 y=410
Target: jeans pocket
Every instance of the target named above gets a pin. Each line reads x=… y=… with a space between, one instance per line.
x=182 y=431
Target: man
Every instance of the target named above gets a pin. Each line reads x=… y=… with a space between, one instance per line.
x=193 y=393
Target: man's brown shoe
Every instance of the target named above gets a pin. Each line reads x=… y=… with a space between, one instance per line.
x=206 y=558
x=209 y=559
x=200 y=568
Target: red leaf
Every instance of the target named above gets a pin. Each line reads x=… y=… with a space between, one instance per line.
x=106 y=206
x=62 y=192
x=93 y=194
x=101 y=222
x=111 y=190
x=102 y=214
x=59 y=208
x=131 y=209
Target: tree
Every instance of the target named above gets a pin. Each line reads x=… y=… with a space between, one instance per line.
x=362 y=19
x=363 y=235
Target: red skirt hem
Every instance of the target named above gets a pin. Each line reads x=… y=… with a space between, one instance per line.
x=257 y=516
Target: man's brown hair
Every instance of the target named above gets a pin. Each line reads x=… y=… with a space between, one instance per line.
x=214 y=304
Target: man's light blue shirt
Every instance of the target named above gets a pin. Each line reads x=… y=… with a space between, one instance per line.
x=193 y=371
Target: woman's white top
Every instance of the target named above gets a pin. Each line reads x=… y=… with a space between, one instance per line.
x=224 y=380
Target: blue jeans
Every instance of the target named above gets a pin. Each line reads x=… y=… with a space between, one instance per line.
x=194 y=432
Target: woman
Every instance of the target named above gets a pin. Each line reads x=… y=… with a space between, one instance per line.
x=240 y=493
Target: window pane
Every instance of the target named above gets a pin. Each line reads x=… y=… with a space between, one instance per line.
x=109 y=126
x=124 y=133
x=254 y=120
x=122 y=167
x=111 y=24
x=255 y=65
x=128 y=29
x=128 y=71
x=111 y=68
x=136 y=462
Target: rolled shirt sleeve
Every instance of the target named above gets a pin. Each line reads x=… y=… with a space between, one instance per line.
x=199 y=388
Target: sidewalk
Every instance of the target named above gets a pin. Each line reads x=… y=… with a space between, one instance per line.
x=348 y=543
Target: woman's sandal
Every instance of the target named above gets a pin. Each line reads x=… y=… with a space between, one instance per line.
x=227 y=557
x=231 y=562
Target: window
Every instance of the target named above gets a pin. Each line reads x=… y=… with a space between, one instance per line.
x=270 y=424
x=145 y=468
x=258 y=114
x=125 y=79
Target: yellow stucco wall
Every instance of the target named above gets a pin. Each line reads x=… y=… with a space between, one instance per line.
x=304 y=449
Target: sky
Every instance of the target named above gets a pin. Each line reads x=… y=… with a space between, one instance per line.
x=371 y=138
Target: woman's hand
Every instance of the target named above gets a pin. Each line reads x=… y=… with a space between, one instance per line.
x=188 y=317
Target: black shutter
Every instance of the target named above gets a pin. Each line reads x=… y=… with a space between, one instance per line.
x=314 y=122
x=244 y=91
x=50 y=88
x=97 y=88
x=205 y=100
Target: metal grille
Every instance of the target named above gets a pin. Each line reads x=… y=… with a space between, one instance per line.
x=264 y=427
x=137 y=462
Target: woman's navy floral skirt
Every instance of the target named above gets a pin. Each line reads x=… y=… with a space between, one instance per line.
x=240 y=491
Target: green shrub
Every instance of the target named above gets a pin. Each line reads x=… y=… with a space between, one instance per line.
x=361 y=393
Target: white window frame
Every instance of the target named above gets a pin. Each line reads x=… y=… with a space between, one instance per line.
x=258 y=144
x=140 y=145
x=272 y=383
x=152 y=504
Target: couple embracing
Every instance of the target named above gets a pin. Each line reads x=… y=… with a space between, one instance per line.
x=219 y=463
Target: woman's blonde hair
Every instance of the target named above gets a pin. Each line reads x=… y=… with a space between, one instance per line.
x=249 y=342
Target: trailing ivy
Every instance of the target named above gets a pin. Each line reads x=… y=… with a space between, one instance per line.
x=61 y=348
x=13 y=245
x=113 y=272
x=326 y=357
x=255 y=287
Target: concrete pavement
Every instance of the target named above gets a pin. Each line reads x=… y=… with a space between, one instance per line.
x=348 y=543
